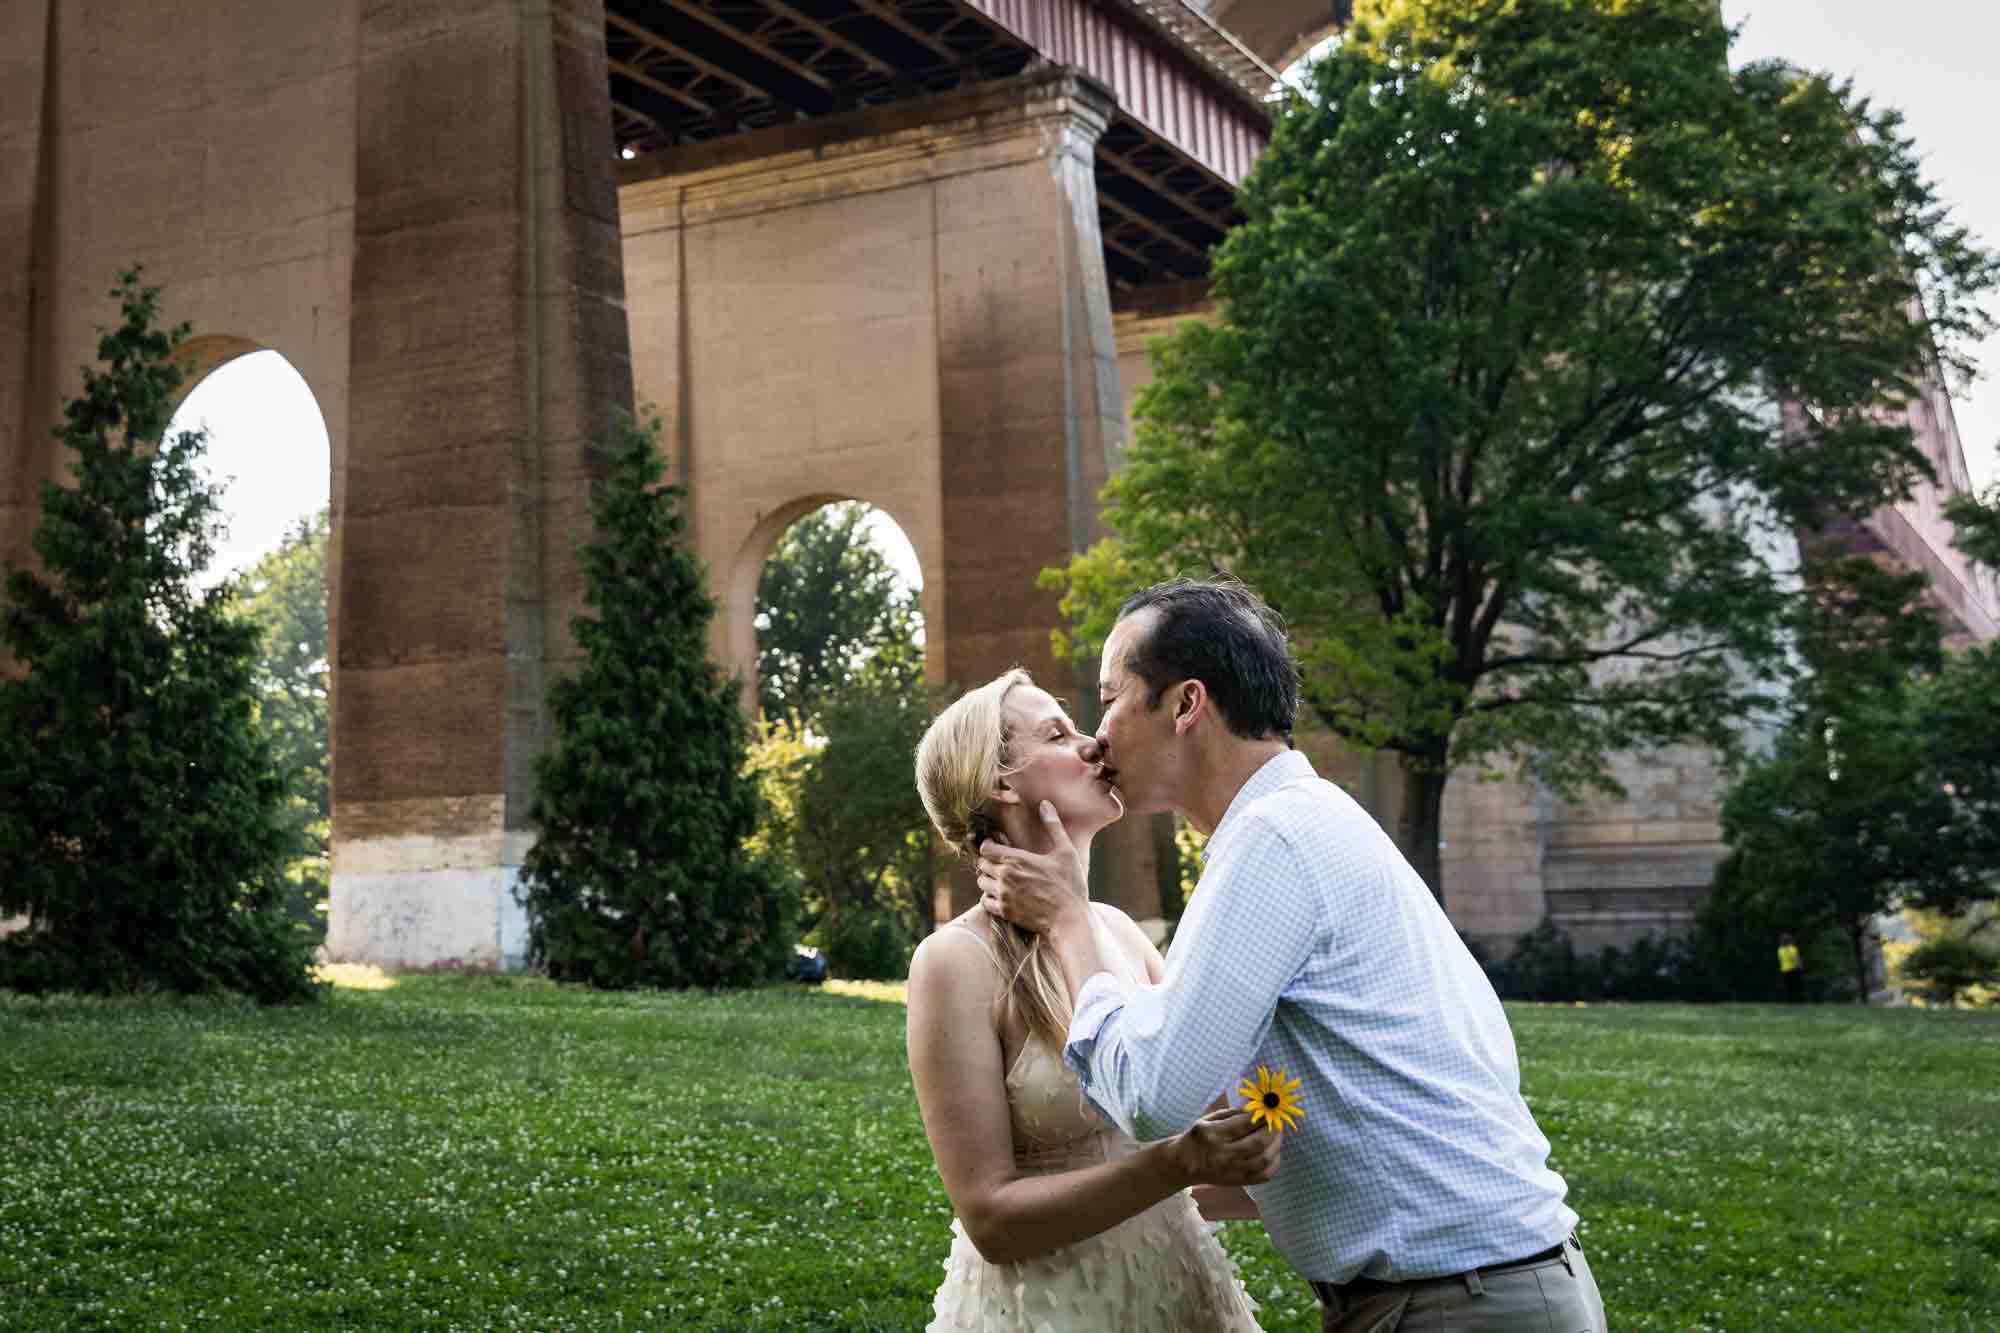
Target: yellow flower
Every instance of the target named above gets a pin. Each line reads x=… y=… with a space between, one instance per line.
x=1270 y=1101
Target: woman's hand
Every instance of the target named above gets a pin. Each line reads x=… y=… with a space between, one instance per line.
x=1226 y=1148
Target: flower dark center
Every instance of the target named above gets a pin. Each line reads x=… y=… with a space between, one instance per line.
x=1271 y=1100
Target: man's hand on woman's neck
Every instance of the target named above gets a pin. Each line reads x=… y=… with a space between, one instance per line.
x=1045 y=888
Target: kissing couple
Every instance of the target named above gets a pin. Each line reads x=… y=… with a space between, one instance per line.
x=1075 y=1085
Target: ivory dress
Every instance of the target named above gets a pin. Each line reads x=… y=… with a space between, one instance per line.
x=1162 y=1271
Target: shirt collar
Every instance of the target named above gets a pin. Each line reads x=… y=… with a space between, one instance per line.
x=1276 y=771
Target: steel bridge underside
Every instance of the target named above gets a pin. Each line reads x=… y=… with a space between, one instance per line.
x=1192 y=113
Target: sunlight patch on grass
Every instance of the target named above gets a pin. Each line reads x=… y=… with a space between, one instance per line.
x=354 y=976
x=887 y=992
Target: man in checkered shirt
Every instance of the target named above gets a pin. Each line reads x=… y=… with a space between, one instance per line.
x=1417 y=1192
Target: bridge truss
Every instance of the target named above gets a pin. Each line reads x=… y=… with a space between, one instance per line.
x=1193 y=102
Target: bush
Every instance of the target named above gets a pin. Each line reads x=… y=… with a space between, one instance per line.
x=867 y=943
x=1546 y=966
x=1949 y=964
x=1730 y=955
x=1543 y=966
x=1735 y=942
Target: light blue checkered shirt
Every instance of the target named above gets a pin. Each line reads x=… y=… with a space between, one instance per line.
x=1311 y=945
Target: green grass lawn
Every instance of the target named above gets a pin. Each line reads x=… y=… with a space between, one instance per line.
x=473 y=1154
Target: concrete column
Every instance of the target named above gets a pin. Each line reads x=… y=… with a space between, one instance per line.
x=26 y=39
x=488 y=350
x=1032 y=419
x=1148 y=315
x=905 y=305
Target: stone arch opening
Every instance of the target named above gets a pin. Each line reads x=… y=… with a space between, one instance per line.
x=269 y=453
x=743 y=613
x=268 y=445
x=837 y=676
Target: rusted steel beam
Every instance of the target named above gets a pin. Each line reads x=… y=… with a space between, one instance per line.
x=1159 y=186
x=887 y=14
x=643 y=116
x=1140 y=220
x=687 y=99
x=700 y=14
x=829 y=36
x=1135 y=256
x=649 y=38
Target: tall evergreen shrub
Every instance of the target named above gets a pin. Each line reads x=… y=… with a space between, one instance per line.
x=639 y=875
x=142 y=826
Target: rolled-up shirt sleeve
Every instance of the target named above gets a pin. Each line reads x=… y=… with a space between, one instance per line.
x=1152 y=1059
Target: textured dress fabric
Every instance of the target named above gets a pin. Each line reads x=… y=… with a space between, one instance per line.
x=1161 y=1271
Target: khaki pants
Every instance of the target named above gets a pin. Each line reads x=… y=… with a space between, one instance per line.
x=1552 y=1295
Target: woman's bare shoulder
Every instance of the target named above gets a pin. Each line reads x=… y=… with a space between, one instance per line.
x=1114 y=919
x=955 y=956
x=1131 y=937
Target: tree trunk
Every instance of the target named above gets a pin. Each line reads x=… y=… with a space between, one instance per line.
x=1857 y=935
x=1167 y=867
x=1420 y=822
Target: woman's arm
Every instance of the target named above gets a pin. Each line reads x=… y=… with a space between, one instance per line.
x=956 y=1064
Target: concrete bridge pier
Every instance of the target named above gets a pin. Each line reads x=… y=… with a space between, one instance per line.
x=905 y=305
x=24 y=72
x=488 y=348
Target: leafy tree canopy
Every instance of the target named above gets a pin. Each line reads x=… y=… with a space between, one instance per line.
x=1490 y=407
x=859 y=834
x=845 y=702
x=827 y=600
x=1975 y=521
x=284 y=594
x=1958 y=719
x=142 y=823
x=1955 y=957
x=1840 y=822
x=1959 y=710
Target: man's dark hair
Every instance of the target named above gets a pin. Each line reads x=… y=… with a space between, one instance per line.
x=1216 y=631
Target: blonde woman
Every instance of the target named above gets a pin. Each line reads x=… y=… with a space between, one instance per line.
x=1062 y=1222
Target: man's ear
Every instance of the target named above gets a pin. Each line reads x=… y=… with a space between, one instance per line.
x=1190 y=705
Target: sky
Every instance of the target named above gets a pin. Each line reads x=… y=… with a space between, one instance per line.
x=1930 y=59
x=885 y=536
x=267 y=442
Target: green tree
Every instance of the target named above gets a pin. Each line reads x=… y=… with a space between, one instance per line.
x=1734 y=942
x=1958 y=719
x=1958 y=712
x=827 y=600
x=1975 y=521
x=842 y=689
x=1841 y=821
x=284 y=593
x=1965 y=956
x=859 y=835
x=142 y=821
x=1488 y=405
x=1882 y=789
x=640 y=874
